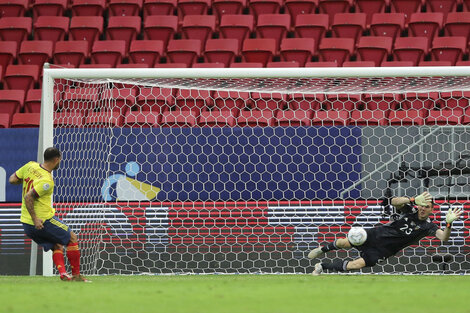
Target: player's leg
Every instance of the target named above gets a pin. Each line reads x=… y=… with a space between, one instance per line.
x=73 y=254
x=58 y=259
x=339 y=266
x=342 y=243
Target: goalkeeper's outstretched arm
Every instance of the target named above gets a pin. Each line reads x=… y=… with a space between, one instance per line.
x=423 y=199
x=451 y=216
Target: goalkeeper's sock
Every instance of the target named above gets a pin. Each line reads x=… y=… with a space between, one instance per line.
x=336 y=265
x=330 y=246
x=73 y=254
x=58 y=259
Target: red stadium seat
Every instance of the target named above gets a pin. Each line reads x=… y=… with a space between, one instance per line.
x=332 y=7
x=406 y=6
x=8 y=51
x=425 y=24
x=171 y=65
x=159 y=7
x=300 y=50
x=192 y=7
x=296 y=7
x=246 y=65
x=4 y=119
x=71 y=52
x=178 y=118
x=349 y=25
x=458 y=24
x=419 y=100
x=53 y=28
x=98 y=65
x=108 y=52
x=124 y=7
x=293 y=118
x=271 y=101
x=87 y=28
x=141 y=119
x=258 y=7
x=444 y=117
x=25 y=120
x=155 y=99
x=224 y=7
x=68 y=119
x=342 y=101
x=11 y=101
x=13 y=8
x=336 y=49
x=218 y=118
x=221 y=51
x=104 y=119
x=228 y=100
x=208 y=65
x=35 y=52
x=22 y=77
x=396 y=63
x=312 y=26
x=237 y=27
x=123 y=28
x=322 y=64
x=359 y=64
x=444 y=6
x=306 y=102
x=382 y=102
x=273 y=26
x=283 y=64
x=367 y=118
x=160 y=27
x=81 y=99
x=48 y=8
x=88 y=7
x=122 y=99
x=331 y=118
x=198 y=27
x=406 y=117
x=184 y=51
x=466 y=5
x=374 y=49
x=370 y=7
x=387 y=24
x=15 y=28
x=258 y=50
x=193 y=100
x=145 y=52
x=462 y=63
x=412 y=49
x=466 y=117
x=32 y=103
x=448 y=49
x=435 y=63
x=255 y=118
x=453 y=99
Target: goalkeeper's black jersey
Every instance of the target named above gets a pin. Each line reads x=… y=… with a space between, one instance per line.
x=406 y=230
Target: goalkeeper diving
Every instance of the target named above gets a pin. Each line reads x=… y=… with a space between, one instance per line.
x=386 y=240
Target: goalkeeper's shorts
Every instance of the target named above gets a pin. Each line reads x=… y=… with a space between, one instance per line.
x=54 y=232
x=371 y=252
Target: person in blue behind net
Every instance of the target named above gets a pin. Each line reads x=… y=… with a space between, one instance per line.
x=386 y=240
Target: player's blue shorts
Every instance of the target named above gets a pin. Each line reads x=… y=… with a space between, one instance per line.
x=54 y=231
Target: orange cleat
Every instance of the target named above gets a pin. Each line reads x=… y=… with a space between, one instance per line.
x=80 y=278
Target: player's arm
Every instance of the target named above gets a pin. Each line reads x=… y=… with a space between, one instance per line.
x=29 y=203
x=451 y=216
x=14 y=179
x=423 y=199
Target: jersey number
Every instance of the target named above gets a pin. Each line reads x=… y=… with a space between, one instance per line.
x=28 y=185
x=406 y=229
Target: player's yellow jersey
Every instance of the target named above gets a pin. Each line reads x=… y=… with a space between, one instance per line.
x=37 y=178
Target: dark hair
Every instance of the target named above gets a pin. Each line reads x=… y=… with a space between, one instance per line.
x=51 y=153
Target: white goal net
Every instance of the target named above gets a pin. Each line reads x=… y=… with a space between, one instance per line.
x=247 y=170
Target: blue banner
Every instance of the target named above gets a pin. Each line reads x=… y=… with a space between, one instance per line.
x=199 y=164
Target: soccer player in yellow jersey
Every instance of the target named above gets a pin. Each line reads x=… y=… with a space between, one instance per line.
x=38 y=216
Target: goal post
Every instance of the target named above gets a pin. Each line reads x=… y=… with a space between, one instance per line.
x=239 y=170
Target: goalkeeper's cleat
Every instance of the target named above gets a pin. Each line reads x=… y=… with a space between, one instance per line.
x=65 y=277
x=80 y=278
x=318 y=269
x=315 y=253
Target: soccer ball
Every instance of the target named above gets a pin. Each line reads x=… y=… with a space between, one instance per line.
x=357 y=236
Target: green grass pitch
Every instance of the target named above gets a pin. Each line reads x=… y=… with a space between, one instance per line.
x=237 y=293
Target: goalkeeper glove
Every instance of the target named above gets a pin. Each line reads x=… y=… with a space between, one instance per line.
x=423 y=199
x=452 y=215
